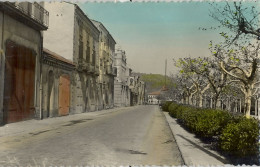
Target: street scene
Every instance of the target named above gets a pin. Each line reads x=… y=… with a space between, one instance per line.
x=125 y=83
x=94 y=139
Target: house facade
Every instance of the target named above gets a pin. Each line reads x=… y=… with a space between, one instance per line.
x=21 y=49
x=68 y=69
x=153 y=97
x=55 y=84
x=106 y=71
x=137 y=90
x=121 y=89
x=141 y=93
x=78 y=43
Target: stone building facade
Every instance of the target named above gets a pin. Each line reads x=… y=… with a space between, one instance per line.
x=68 y=69
x=78 y=42
x=137 y=90
x=106 y=71
x=129 y=90
x=141 y=93
x=121 y=89
x=20 y=54
x=55 y=81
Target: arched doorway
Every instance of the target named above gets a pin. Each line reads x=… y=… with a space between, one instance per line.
x=64 y=95
x=50 y=99
x=19 y=86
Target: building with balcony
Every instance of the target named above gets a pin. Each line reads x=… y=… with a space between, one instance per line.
x=141 y=93
x=21 y=29
x=137 y=90
x=106 y=70
x=73 y=36
x=121 y=89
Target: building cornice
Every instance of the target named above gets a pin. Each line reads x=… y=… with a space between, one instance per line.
x=88 y=21
x=50 y=58
x=109 y=35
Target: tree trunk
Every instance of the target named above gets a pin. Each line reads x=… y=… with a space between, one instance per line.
x=236 y=105
x=211 y=102
x=205 y=102
x=248 y=95
x=218 y=104
x=240 y=105
x=200 y=100
x=255 y=106
x=216 y=101
x=258 y=109
x=190 y=100
x=187 y=100
x=229 y=104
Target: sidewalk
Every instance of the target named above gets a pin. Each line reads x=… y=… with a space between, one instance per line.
x=192 y=149
x=34 y=125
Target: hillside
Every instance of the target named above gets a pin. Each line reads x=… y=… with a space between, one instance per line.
x=154 y=82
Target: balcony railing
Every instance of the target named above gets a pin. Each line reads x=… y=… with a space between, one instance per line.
x=33 y=10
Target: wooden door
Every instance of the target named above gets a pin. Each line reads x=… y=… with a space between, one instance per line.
x=64 y=95
x=19 y=83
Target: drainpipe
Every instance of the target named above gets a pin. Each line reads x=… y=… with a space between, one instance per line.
x=3 y=32
x=41 y=54
x=2 y=68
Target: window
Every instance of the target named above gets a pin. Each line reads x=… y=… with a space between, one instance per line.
x=88 y=53
x=116 y=72
x=94 y=56
x=80 y=43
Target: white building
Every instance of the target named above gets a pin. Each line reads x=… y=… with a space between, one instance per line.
x=153 y=97
x=121 y=88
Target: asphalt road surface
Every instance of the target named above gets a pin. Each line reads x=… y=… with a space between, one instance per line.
x=130 y=136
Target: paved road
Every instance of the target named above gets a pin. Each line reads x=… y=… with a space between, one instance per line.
x=130 y=136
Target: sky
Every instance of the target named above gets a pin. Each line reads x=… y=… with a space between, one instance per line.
x=152 y=32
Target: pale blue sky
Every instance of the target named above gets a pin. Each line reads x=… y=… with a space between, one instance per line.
x=152 y=32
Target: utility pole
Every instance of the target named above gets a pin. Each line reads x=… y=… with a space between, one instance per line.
x=165 y=72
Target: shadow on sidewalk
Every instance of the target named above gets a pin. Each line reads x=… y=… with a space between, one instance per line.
x=205 y=150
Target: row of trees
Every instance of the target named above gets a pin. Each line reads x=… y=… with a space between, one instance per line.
x=232 y=68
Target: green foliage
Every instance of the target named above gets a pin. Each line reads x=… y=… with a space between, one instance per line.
x=173 y=109
x=188 y=115
x=203 y=122
x=155 y=80
x=210 y=122
x=240 y=137
x=237 y=135
x=166 y=105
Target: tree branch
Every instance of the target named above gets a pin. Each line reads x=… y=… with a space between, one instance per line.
x=229 y=73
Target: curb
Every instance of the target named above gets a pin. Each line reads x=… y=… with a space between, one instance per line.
x=186 y=161
x=192 y=149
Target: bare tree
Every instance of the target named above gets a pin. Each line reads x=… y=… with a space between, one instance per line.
x=239 y=18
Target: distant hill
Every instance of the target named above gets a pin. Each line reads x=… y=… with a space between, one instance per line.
x=154 y=82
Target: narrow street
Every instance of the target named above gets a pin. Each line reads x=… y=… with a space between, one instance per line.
x=127 y=136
